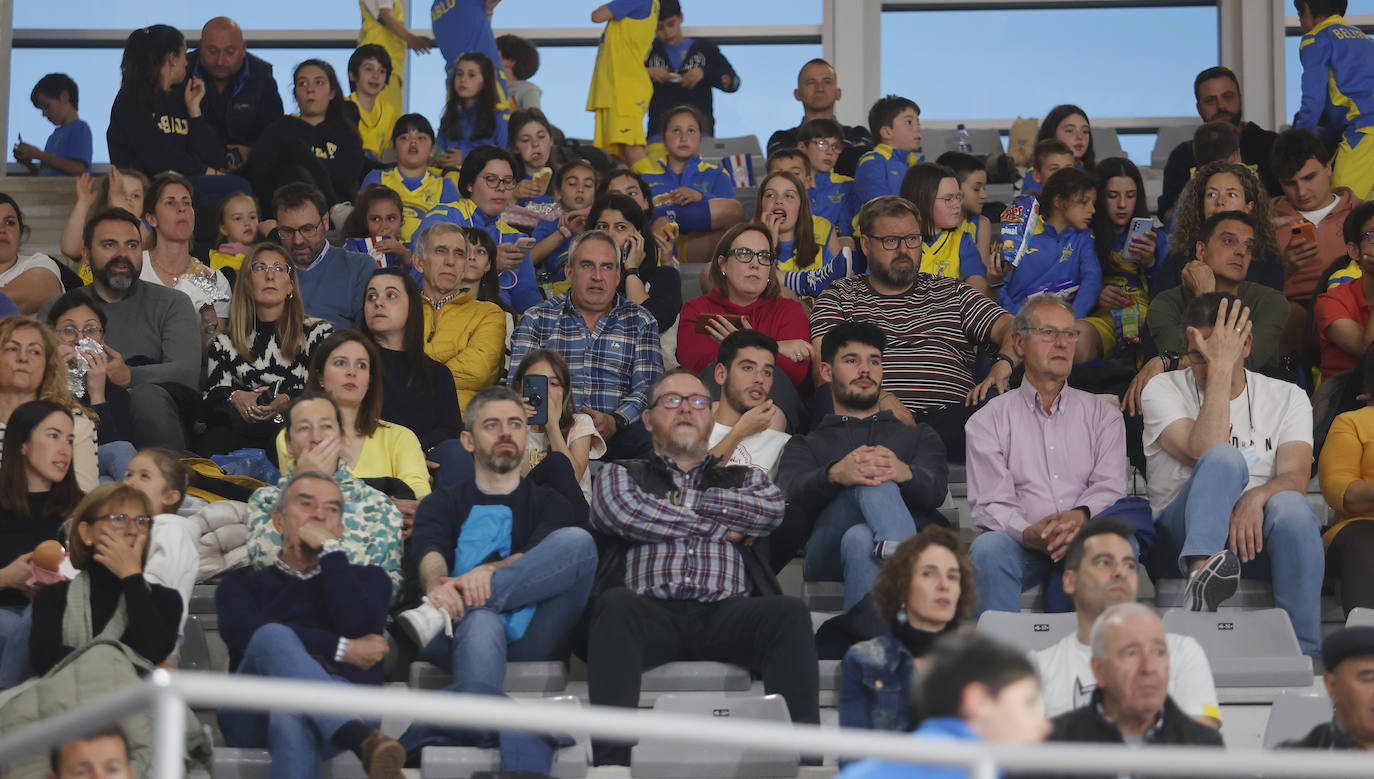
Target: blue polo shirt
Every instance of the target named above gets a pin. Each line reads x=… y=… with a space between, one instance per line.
x=880 y=172
x=71 y=141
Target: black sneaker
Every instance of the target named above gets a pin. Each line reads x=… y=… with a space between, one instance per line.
x=1213 y=582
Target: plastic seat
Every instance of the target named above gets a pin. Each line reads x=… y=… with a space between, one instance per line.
x=1250 y=594
x=1031 y=632
x=231 y=763
x=694 y=676
x=1293 y=715
x=1360 y=616
x=520 y=677
x=202 y=599
x=195 y=651
x=829 y=675
x=1166 y=140
x=1106 y=143
x=570 y=762
x=823 y=596
x=673 y=759
x=1246 y=648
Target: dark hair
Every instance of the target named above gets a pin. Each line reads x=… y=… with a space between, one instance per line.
x=518 y=120
x=161 y=181
x=6 y=199
x=1358 y=216
x=920 y=185
x=1216 y=71
x=409 y=122
x=355 y=226
x=477 y=159
x=635 y=216
x=1045 y=147
x=108 y=731
x=716 y=274
x=560 y=367
x=1320 y=8
x=865 y=333
x=145 y=51
x=334 y=112
x=174 y=472
x=1209 y=227
x=962 y=164
x=668 y=9
x=73 y=299
x=791 y=153
x=222 y=205
x=885 y=111
x=418 y=373
x=805 y=251
x=486 y=101
x=113 y=214
x=523 y=54
x=603 y=185
x=695 y=113
x=744 y=339
x=1292 y=149
x=652 y=393
x=1215 y=141
x=14 y=482
x=598 y=189
x=1104 y=232
x=1065 y=183
x=809 y=63
x=489 y=288
x=893 y=583
x=370 y=410
x=1073 y=556
x=1201 y=311
x=1188 y=214
x=297 y=194
x=958 y=660
x=365 y=52
x=305 y=397
x=1049 y=128
x=52 y=86
x=821 y=127
x=884 y=205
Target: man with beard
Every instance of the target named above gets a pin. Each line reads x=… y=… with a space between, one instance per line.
x=934 y=325
x=1217 y=91
x=150 y=332
x=868 y=480
x=241 y=96
x=744 y=432
x=681 y=591
x=504 y=567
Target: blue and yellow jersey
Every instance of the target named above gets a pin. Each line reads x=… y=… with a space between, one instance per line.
x=832 y=196
x=419 y=195
x=373 y=31
x=620 y=88
x=1128 y=274
x=1351 y=272
x=461 y=26
x=1062 y=263
x=880 y=172
x=820 y=271
x=710 y=180
x=520 y=287
x=1337 y=81
x=375 y=126
x=467 y=125
x=953 y=254
x=557 y=261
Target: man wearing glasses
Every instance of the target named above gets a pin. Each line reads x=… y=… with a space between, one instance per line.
x=934 y=326
x=332 y=281
x=685 y=568
x=1043 y=459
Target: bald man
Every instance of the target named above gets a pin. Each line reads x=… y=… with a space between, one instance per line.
x=241 y=96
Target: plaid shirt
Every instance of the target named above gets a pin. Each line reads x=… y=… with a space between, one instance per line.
x=680 y=551
x=612 y=366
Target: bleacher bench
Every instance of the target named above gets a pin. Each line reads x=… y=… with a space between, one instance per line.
x=1293 y=715
x=657 y=759
x=1030 y=632
x=1246 y=648
x=549 y=676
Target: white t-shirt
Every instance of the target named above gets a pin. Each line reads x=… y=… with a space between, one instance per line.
x=1066 y=676
x=760 y=450
x=25 y=264
x=582 y=427
x=1266 y=415
x=1316 y=217
x=193 y=289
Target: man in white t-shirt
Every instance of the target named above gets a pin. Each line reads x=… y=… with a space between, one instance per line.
x=1100 y=570
x=748 y=425
x=1246 y=441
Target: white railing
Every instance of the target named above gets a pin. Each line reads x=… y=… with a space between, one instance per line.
x=168 y=694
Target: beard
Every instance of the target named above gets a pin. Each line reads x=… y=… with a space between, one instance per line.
x=893 y=276
x=736 y=399
x=499 y=463
x=681 y=442
x=117 y=280
x=856 y=399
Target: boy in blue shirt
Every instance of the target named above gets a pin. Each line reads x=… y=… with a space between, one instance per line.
x=1049 y=156
x=896 y=124
x=697 y=195
x=684 y=71
x=1060 y=257
x=1338 y=90
x=832 y=194
x=68 y=150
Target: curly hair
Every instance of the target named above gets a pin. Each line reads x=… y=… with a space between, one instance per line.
x=894 y=578
x=1188 y=216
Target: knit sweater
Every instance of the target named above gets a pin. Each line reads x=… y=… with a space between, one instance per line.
x=228 y=372
x=154 y=616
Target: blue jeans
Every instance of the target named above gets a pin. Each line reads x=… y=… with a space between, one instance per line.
x=299 y=743
x=841 y=544
x=1197 y=522
x=16 y=622
x=114 y=460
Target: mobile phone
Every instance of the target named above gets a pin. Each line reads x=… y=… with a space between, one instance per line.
x=706 y=316
x=525 y=243
x=624 y=252
x=535 y=391
x=1305 y=231
x=1139 y=226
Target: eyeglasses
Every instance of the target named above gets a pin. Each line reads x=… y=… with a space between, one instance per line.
x=1369 y=236
x=673 y=400
x=262 y=268
x=746 y=256
x=828 y=145
x=90 y=331
x=118 y=520
x=499 y=182
x=306 y=231
x=889 y=242
x=951 y=200
x=1051 y=334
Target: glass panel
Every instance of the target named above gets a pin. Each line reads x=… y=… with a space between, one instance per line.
x=96 y=73
x=561 y=13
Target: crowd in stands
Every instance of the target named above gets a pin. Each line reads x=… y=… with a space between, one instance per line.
x=453 y=355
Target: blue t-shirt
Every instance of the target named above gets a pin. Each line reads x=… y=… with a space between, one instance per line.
x=633 y=9
x=71 y=141
x=467 y=124
x=677 y=51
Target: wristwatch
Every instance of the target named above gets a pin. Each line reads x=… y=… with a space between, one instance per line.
x=1170 y=360
x=632 y=272
x=620 y=422
x=1011 y=364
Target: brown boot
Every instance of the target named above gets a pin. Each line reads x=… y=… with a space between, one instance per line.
x=383 y=757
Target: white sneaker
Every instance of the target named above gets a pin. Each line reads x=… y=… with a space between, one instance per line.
x=424 y=622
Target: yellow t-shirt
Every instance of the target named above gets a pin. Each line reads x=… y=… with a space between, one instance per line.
x=375 y=126
x=392 y=450
x=373 y=31
x=620 y=88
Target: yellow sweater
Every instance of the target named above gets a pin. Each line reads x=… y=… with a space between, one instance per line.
x=393 y=450
x=468 y=336
x=1347 y=456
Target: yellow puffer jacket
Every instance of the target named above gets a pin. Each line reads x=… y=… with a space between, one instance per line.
x=469 y=336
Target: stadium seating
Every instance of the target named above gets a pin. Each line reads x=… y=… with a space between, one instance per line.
x=1252 y=649
x=1360 y=616
x=569 y=762
x=1031 y=632
x=659 y=759
x=1293 y=714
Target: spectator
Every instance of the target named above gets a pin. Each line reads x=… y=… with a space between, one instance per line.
x=331 y=280
x=421 y=189
x=519 y=63
x=121 y=188
x=170 y=211
x=504 y=566
x=373 y=526
x=746 y=430
x=567 y=432
x=31 y=368
x=866 y=479
x=1043 y=459
x=1346 y=483
x=316 y=615
x=1256 y=471
x=972 y=176
x=1047 y=157
x=1348 y=655
x=1131 y=704
x=236 y=215
x=256 y=367
x=472 y=114
x=1114 y=326
x=684 y=71
x=318 y=146
x=369 y=75
x=482 y=279
x=646 y=278
x=462 y=331
x=107 y=542
x=831 y=193
x=896 y=124
x=103 y=753
x=1069 y=124
x=697 y=195
x=417 y=390
x=462 y=26
x=949 y=250
x=620 y=90
x=374 y=227
x=25 y=281
x=576 y=184
x=974 y=689
x=1303 y=167
x=1336 y=98
x=808 y=247
x=685 y=587
x=610 y=344
x=173 y=542
x=383 y=25
x=531 y=139
x=486 y=183
x=818 y=90
x=76 y=317
x=1100 y=570
x=923 y=591
x=624 y=181
x=1065 y=262
x=1217 y=91
x=1342 y=310
x=933 y=325
x=68 y=150
x=241 y=97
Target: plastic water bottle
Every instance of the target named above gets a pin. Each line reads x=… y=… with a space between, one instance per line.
x=964 y=145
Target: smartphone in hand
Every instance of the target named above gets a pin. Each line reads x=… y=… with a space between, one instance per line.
x=535 y=390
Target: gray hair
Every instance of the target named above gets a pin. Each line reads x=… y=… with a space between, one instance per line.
x=1022 y=323
x=591 y=235
x=279 y=507
x=1118 y=612
x=491 y=395
x=421 y=247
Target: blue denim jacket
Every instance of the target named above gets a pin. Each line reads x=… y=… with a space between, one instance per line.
x=875 y=685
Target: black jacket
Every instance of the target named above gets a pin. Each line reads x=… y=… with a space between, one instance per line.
x=701 y=54
x=1324 y=736
x=162 y=138
x=1088 y=725
x=857 y=141
x=246 y=107
x=291 y=149
x=803 y=469
x=1255 y=143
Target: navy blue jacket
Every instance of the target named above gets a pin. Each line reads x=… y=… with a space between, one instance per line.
x=248 y=104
